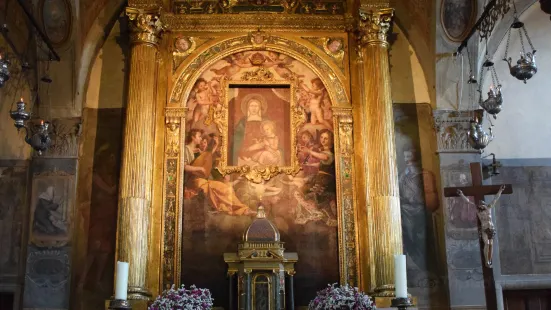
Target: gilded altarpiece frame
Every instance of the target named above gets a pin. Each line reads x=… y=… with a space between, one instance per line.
x=183 y=77
x=259 y=79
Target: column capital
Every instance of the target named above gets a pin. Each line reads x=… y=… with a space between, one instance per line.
x=373 y=25
x=452 y=131
x=145 y=25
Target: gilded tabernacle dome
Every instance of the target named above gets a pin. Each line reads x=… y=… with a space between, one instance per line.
x=261 y=229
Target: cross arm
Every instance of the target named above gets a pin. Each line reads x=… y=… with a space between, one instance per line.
x=471 y=191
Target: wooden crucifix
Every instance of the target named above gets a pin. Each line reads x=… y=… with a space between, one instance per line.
x=485 y=226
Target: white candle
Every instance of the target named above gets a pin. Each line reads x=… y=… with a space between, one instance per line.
x=121 y=286
x=400 y=276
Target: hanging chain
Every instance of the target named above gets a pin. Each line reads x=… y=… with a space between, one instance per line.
x=495 y=79
x=460 y=82
x=470 y=64
x=22 y=75
x=528 y=38
x=522 y=43
x=471 y=90
x=17 y=87
x=480 y=83
x=507 y=44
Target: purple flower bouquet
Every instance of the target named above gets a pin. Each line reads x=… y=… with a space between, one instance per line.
x=336 y=297
x=183 y=299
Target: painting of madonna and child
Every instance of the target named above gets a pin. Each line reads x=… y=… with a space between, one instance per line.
x=218 y=208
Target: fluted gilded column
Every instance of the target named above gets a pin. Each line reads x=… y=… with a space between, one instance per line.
x=136 y=180
x=375 y=122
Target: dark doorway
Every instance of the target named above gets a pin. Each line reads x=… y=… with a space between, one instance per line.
x=527 y=299
x=6 y=300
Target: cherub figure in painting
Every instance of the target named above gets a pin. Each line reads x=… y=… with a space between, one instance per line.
x=236 y=62
x=487 y=229
x=318 y=98
x=281 y=65
x=266 y=149
x=205 y=94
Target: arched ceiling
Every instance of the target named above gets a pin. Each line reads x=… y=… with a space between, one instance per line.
x=417 y=19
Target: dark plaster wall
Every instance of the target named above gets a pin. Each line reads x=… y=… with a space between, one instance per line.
x=523 y=219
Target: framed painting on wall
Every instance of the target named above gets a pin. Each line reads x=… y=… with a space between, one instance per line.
x=57 y=19
x=258 y=123
x=51 y=204
x=457 y=17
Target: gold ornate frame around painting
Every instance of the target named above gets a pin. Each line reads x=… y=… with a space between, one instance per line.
x=297 y=117
x=184 y=76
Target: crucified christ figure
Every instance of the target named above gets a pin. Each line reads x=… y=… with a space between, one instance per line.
x=487 y=230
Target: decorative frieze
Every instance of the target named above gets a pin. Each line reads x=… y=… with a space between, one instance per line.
x=451 y=131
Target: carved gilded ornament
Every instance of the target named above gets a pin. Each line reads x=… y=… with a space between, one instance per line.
x=174 y=121
x=258 y=39
x=184 y=46
x=332 y=46
x=172 y=137
x=145 y=25
x=324 y=70
x=145 y=4
x=321 y=7
x=373 y=26
x=345 y=130
x=249 y=22
x=349 y=269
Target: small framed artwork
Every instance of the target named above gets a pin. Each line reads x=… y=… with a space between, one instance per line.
x=258 y=123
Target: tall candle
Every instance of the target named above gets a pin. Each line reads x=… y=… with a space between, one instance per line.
x=400 y=276
x=121 y=286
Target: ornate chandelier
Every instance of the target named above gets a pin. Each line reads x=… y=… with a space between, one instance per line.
x=525 y=67
x=476 y=136
x=493 y=103
x=37 y=135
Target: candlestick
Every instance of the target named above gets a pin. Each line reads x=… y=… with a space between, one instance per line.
x=401 y=303
x=118 y=304
x=400 y=276
x=121 y=287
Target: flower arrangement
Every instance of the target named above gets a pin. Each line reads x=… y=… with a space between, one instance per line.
x=338 y=297
x=183 y=299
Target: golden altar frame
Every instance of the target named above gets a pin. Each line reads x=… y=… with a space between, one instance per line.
x=181 y=73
